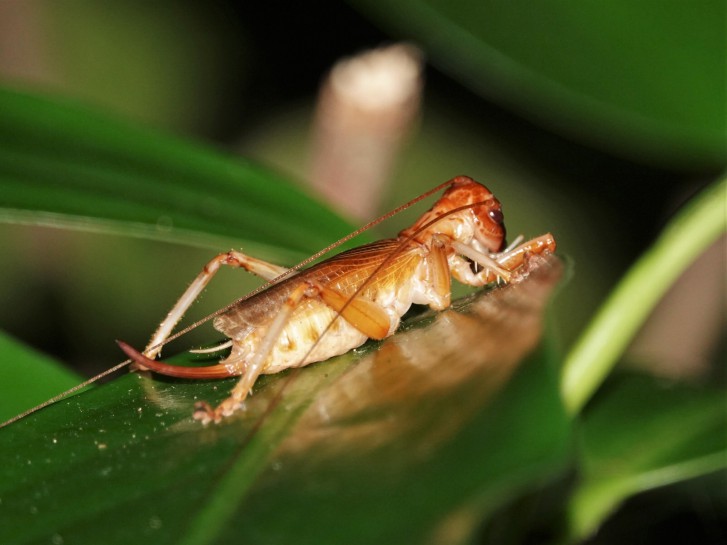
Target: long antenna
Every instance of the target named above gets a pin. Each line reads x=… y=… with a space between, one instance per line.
x=224 y=309
x=66 y=393
x=305 y=262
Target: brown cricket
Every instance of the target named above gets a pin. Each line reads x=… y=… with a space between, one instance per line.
x=337 y=304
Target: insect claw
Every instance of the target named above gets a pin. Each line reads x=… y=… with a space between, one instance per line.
x=203 y=412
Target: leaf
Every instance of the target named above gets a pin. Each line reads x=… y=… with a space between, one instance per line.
x=698 y=225
x=62 y=165
x=409 y=440
x=34 y=377
x=644 y=79
x=639 y=434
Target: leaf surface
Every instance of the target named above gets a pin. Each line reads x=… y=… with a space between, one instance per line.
x=410 y=440
x=639 y=434
x=63 y=165
x=28 y=377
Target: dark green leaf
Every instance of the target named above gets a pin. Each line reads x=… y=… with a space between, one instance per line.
x=643 y=78
x=62 y=165
x=639 y=434
x=28 y=377
x=406 y=441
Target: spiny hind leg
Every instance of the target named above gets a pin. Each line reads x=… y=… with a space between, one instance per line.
x=254 y=366
x=267 y=271
x=366 y=316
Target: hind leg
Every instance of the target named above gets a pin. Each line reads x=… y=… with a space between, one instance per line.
x=366 y=316
x=267 y=271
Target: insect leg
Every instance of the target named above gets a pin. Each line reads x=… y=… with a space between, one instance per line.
x=438 y=276
x=513 y=258
x=268 y=271
x=484 y=260
x=254 y=366
x=366 y=316
x=511 y=261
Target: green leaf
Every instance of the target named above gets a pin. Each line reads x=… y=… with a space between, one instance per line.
x=639 y=434
x=645 y=79
x=32 y=377
x=693 y=230
x=64 y=166
x=410 y=440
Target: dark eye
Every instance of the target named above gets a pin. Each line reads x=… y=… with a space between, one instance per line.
x=496 y=216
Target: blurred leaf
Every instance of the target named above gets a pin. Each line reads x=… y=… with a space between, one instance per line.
x=168 y=63
x=639 y=435
x=406 y=441
x=28 y=377
x=697 y=226
x=64 y=166
x=645 y=79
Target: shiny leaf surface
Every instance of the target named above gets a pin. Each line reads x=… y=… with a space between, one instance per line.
x=415 y=438
x=28 y=377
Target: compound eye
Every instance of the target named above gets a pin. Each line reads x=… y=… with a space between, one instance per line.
x=496 y=216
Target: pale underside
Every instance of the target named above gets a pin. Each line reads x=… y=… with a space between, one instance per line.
x=401 y=282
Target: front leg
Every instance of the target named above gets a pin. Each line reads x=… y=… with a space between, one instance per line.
x=505 y=265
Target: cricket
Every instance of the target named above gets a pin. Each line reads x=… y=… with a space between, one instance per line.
x=302 y=316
